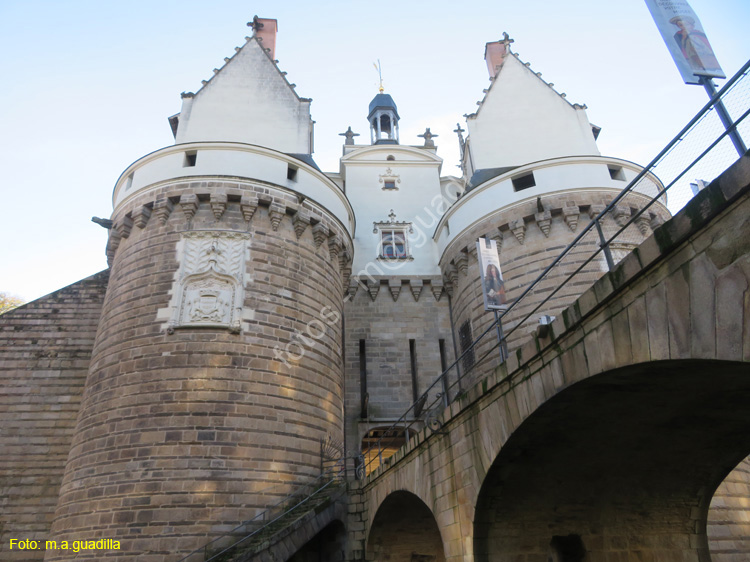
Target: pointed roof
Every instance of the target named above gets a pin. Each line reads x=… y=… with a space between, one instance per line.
x=248 y=99
x=382 y=101
x=523 y=119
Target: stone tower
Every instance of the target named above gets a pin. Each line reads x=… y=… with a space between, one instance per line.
x=216 y=369
x=532 y=174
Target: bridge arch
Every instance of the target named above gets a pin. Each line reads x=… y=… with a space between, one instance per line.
x=627 y=461
x=404 y=529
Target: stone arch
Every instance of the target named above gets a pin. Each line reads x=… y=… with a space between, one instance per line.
x=627 y=460
x=404 y=530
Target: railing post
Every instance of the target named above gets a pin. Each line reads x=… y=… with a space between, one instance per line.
x=604 y=245
x=726 y=120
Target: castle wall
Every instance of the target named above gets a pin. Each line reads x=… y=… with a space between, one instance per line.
x=45 y=348
x=387 y=315
x=198 y=413
x=729 y=517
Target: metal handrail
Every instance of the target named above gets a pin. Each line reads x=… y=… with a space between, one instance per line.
x=400 y=423
x=330 y=476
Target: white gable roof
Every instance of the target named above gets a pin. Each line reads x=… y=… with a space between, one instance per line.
x=522 y=119
x=248 y=100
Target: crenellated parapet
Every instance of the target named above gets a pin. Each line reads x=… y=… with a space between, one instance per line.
x=240 y=206
x=397 y=287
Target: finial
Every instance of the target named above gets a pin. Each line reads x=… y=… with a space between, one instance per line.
x=506 y=40
x=392 y=216
x=255 y=24
x=428 y=136
x=458 y=130
x=349 y=134
x=380 y=76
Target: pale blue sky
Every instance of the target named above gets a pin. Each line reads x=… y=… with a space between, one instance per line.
x=87 y=87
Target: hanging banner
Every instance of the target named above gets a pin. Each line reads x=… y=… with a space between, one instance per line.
x=683 y=33
x=493 y=287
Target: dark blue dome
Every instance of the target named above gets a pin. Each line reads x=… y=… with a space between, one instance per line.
x=382 y=101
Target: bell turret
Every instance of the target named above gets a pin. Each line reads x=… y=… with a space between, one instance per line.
x=383 y=118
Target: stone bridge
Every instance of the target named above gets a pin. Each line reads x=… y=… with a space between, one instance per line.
x=609 y=436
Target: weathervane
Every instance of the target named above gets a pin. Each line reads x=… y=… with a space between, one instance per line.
x=380 y=76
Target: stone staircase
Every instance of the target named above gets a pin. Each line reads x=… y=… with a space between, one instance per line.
x=282 y=536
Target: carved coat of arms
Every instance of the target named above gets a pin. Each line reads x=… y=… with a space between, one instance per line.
x=209 y=290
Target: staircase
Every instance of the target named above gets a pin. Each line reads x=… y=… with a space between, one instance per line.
x=285 y=529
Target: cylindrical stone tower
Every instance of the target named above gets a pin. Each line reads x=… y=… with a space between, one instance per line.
x=531 y=228
x=217 y=365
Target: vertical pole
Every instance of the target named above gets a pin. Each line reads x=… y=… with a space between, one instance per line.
x=455 y=347
x=605 y=246
x=500 y=338
x=444 y=375
x=723 y=114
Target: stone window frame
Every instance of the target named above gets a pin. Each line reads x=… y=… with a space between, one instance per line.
x=392 y=229
x=389 y=180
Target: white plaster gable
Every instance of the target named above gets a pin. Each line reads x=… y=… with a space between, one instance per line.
x=522 y=119
x=250 y=101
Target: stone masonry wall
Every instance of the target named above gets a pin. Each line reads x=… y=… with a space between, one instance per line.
x=398 y=310
x=185 y=432
x=45 y=348
x=729 y=517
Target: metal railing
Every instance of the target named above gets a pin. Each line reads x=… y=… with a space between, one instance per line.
x=701 y=150
x=298 y=502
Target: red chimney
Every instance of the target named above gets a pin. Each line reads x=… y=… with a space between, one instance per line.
x=494 y=54
x=265 y=30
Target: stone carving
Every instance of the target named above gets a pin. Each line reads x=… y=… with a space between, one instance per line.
x=437 y=288
x=162 y=209
x=462 y=262
x=219 y=204
x=416 y=288
x=621 y=214
x=210 y=286
x=189 y=204
x=300 y=222
x=125 y=227
x=248 y=205
x=334 y=246
x=389 y=180
x=276 y=213
x=141 y=216
x=373 y=287
x=643 y=222
x=320 y=233
x=571 y=211
x=394 y=285
x=544 y=221
x=518 y=228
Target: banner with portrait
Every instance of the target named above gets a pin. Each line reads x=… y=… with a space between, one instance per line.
x=493 y=287
x=683 y=33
